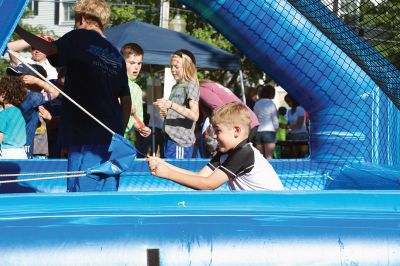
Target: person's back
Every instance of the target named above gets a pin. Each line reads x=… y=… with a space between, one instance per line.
x=12 y=123
x=213 y=95
x=94 y=77
x=267 y=114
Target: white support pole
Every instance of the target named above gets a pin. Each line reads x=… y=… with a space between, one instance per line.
x=242 y=86
x=164 y=14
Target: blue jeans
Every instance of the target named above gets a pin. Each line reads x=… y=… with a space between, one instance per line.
x=264 y=137
x=82 y=157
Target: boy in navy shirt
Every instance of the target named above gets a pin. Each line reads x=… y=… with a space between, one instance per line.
x=96 y=79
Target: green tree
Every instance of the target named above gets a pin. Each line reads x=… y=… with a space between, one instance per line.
x=383 y=23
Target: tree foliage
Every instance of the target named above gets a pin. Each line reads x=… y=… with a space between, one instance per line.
x=382 y=23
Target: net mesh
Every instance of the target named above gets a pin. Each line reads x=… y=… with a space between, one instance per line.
x=367 y=31
x=339 y=59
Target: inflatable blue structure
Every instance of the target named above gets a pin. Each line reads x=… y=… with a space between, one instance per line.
x=341 y=206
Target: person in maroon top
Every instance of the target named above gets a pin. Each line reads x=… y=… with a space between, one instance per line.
x=213 y=95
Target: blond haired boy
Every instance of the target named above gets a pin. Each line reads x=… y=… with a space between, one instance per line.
x=237 y=162
x=96 y=79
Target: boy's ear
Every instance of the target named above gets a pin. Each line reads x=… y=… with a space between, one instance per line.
x=237 y=131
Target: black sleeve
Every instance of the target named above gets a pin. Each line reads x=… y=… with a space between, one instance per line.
x=64 y=48
x=238 y=162
x=215 y=161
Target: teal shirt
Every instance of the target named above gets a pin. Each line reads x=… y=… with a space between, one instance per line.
x=12 y=125
x=136 y=98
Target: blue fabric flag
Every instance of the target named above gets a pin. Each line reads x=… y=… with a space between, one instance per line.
x=11 y=12
x=123 y=154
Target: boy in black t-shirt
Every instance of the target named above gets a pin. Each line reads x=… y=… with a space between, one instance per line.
x=237 y=162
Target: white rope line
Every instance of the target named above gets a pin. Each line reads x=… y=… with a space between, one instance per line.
x=46 y=173
x=60 y=91
x=40 y=178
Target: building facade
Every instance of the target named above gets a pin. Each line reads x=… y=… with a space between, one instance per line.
x=53 y=15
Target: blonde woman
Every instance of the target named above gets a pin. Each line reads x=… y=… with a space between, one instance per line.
x=181 y=110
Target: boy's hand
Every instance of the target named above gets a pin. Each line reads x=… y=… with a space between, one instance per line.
x=44 y=113
x=157 y=167
x=144 y=131
x=30 y=80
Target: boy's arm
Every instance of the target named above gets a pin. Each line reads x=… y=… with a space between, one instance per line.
x=1 y=137
x=211 y=182
x=206 y=171
x=31 y=80
x=126 y=104
x=44 y=46
x=16 y=46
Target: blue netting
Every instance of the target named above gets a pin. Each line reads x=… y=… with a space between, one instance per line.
x=348 y=84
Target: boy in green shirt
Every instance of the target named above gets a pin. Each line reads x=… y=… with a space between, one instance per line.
x=133 y=55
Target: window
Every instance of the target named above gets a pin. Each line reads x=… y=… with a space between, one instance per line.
x=34 y=7
x=64 y=11
x=68 y=15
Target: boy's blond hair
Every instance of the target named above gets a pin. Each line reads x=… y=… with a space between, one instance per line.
x=96 y=12
x=232 y=114
x=189 y=68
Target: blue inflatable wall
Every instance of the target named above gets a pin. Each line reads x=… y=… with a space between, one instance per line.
x=352 y=120
x=201 y=228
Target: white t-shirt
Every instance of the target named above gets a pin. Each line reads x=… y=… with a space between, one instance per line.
x=247 y=169
x=293 y=117
x=267 y=115
x=50 y=70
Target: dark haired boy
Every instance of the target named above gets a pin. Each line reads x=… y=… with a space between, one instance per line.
x=133 y=55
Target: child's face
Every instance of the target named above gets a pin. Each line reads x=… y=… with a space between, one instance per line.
x=177 y=68
x=37 y=55
x=134 y=65
x=225 y=135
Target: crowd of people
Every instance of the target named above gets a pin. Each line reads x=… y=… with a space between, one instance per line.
x=198 y=119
